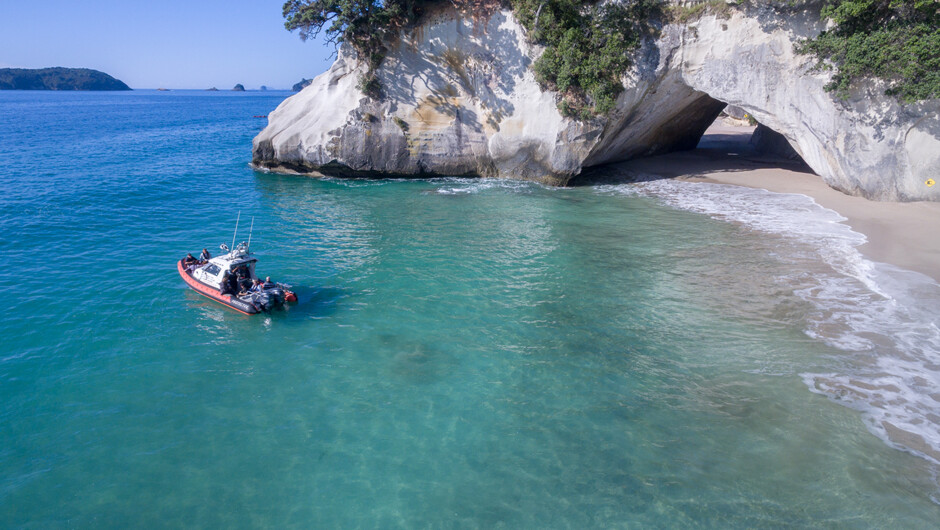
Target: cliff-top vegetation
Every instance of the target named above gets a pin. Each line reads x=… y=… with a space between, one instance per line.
x=588 y=48
x=897 y=41
x=366 y=25
x=589 y=44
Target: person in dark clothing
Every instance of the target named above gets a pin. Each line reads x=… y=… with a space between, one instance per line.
x=226 y=286
x=243 y=279
x=244 y=284
x=189 y=262
x=257 y=286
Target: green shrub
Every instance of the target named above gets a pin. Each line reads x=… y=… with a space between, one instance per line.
x=402 y=124
x=683 y=14
x=588 y=48
x=367 y=25
x=897 y=41
x=370 y=85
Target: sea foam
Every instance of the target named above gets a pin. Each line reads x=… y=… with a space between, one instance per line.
x=882 y=317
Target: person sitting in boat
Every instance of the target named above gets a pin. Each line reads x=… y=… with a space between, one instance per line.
x=244 y=284
x=189 y=262
x=257 y=286
x=204 y=255
x=267 y=283
x=226 y=286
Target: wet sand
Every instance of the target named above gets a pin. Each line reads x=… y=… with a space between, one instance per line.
x=902 y=234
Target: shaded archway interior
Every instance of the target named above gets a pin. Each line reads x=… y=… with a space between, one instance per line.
x=706 y=135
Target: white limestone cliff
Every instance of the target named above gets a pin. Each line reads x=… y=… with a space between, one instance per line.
x=461 y=99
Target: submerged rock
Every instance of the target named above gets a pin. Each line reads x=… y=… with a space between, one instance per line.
x=461 y=99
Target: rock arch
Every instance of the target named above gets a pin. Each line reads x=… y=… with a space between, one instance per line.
x=463 y=101
x=869 y=145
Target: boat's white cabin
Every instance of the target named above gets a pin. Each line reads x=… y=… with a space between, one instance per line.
x=214 y=270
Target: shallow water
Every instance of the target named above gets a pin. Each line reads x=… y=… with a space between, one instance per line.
x=464 y=353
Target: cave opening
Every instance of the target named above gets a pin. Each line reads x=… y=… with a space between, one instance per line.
x=737 y=132
x=704 y=136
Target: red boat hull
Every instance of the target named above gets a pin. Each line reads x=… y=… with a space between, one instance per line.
x=215 y=294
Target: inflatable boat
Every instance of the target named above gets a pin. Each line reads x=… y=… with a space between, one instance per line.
x=230 y=280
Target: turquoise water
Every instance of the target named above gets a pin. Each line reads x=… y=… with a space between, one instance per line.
x=464 y=353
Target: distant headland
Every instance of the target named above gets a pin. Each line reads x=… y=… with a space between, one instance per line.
x=58 y=79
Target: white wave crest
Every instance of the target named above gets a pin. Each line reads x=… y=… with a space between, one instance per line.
x=885 y=318
x=469 y=186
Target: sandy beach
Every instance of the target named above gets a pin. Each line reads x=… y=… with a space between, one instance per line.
x=902 y=234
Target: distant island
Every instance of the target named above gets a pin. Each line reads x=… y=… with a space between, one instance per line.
x=58 y=79
x=239 y=88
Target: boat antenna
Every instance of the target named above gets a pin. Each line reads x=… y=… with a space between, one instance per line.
x=236 y=229
x=249 y=233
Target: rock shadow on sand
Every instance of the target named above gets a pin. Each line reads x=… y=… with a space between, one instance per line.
x=722 y=149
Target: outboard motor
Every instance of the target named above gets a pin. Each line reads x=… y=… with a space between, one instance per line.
x=259 y=300
x=276 y=295
x=267 y=299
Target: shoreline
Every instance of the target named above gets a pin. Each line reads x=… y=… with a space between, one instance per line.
x=900 y=234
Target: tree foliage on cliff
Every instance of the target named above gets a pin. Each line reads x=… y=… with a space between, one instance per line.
x=364 y=24
x=588 y=47
x=894 y=40
x=588 y=44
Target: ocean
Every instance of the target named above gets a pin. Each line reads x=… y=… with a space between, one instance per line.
x=464 y=353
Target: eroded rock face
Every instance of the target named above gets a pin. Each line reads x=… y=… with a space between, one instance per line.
x=461 y=99
x=868 y=145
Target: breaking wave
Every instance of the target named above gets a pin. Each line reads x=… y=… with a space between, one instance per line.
x=885 y=319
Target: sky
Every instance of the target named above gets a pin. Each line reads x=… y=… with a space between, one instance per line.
x=162 y=44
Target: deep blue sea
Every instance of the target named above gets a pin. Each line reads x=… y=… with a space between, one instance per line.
x=464 y=353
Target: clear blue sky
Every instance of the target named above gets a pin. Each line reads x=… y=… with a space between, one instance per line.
x=161 y=44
